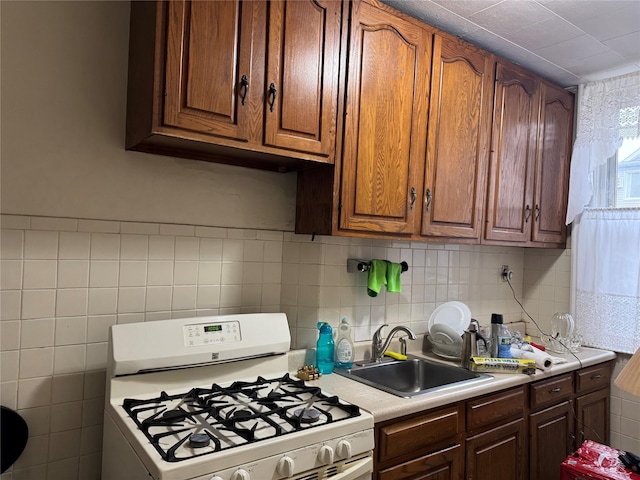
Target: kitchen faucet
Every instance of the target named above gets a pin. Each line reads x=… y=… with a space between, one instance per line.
x=378 y=347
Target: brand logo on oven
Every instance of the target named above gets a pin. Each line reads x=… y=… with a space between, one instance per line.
x=215 y=355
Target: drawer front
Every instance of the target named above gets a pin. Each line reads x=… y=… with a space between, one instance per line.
x=593 y=378
x=494 y=408
x=552 y=390
x=419 y=433
x=447 y=463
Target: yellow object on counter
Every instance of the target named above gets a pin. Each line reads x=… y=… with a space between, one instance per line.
x=396 y=355
x=502 y=365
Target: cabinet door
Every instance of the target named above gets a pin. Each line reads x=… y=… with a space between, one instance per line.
x=458 y=138
x=213 y=76
x=302 y=75
x=592 y=411
x=497 y=454
x=513 y=146
x=445 y=464
x=385 y=122
x=552 y=165
x=551 y=440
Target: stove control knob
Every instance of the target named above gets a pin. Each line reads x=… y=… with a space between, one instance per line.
x=325 y=455
x=240 y=474
x=343 y=449
x=285 y=466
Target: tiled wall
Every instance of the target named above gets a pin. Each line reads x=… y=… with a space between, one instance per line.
x=65 y=281
x=625 y=414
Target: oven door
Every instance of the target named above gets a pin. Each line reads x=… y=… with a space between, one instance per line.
x=356 y=468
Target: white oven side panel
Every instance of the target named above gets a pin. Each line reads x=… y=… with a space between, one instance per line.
x=119 y=461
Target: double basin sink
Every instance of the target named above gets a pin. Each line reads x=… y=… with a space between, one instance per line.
x=411 y=377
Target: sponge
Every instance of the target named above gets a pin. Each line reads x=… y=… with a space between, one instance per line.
x=396 y=355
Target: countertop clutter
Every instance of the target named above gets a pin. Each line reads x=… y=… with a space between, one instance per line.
x=385 y=406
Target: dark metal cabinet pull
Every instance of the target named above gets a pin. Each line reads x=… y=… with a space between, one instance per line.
x=429 y=198
x=413 y=197
x=554 y=390
x=272 y=96
x=527 y=213
x=537 y=212
x=244 y=88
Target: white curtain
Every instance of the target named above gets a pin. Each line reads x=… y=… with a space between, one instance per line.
x=608 y=111
x=606 y=261
x=606 y=242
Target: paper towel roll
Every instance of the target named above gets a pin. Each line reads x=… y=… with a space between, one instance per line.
x=543 y=361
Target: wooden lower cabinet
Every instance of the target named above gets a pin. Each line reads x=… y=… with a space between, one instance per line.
x=522 y=433
x=592 y=417
x=551 y=440
x=497 y=454
x=444 y=464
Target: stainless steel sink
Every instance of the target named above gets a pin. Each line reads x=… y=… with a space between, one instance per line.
x=411 y=377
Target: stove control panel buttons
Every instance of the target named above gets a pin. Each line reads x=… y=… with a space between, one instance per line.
x=200 y=334
x=343 y=449
x=285 y=466
x=240 y=474
x=325 y=455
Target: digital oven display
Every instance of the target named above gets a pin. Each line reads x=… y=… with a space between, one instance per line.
x=212 y=328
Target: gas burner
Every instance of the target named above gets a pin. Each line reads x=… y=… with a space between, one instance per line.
x=241 y=414
x=199 y=440
x=173 y=416
x=307 y=415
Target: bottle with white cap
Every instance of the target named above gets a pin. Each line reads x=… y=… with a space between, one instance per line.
x=344 y=345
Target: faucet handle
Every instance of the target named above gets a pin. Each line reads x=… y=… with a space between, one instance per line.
x=377 y=335
x=376 y=343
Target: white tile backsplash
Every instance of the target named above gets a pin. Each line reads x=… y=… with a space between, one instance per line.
x=37 y=332
x=73 y=273
x=40 y=245
x=74 y=245
x=69 y=287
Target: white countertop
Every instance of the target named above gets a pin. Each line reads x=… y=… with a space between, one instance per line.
x=386 y=406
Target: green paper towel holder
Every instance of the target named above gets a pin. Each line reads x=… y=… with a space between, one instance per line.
x=355 y=266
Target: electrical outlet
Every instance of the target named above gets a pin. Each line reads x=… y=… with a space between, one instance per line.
x=506 y=274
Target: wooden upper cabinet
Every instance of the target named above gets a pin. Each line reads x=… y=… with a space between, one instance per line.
x=302 y=74
x=458 y=139
x=235 y=81
x=212 y=76
x=385 y=122
x=513 y=150
x=552 y=165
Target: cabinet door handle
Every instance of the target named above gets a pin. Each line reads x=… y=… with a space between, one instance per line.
x=429 y=198
x=596 y=376
x=414 y=195
x=537 y=212
x=272 y=96
x=572 y=442
x=554 y=390
x=527 y=213
x=244 y=88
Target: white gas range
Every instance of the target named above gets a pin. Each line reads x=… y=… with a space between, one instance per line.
x=209 y=398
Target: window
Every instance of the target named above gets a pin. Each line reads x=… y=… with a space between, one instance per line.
x=617 y=182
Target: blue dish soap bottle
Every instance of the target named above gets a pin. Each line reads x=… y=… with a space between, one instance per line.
x=325 y=349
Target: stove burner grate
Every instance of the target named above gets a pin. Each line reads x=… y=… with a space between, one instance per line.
x=206 y=420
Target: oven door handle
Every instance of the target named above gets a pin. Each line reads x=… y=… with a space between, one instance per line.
x=356 y=470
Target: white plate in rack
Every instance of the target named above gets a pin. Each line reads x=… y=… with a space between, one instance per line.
x=453 y=314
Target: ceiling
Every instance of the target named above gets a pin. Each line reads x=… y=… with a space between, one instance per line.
x=566 y=41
